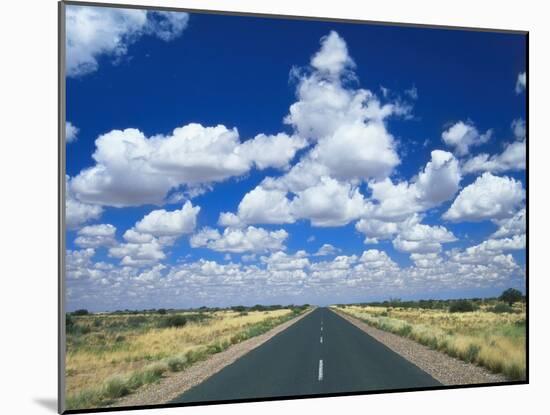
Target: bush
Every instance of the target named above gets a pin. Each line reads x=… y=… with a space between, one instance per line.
x=176 y=364
x=81 y=312
x=116 y=387
x=502 y=308
x=175 y=320
x=161 y=311
x=461 y=306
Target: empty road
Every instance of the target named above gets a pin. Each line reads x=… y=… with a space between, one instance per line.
x=321 y=353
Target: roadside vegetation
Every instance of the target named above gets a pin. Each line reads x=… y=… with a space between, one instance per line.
x=487 y=332
x=112 y=355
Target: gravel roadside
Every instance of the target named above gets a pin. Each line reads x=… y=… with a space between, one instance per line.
x=174 y=384
x=447 y=370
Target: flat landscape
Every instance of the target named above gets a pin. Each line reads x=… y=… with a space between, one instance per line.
x=113 y=355
x=110 y=356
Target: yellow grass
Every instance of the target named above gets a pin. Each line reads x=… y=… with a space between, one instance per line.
x=102 y=358
x=495 y=341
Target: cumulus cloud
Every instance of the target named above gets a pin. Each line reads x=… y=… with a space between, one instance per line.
x=282 y=261
x=145 y=243
x=491 y=251
x=132 y=169
x=489 y=197
x=521 y=82
x=329 y=203
x=516 y=225
x=76 y=212
x=513 y=156
x=333 y=57
x=375 y=230
x=436 y=183
x=347 y=123
x=464 y=135
x=175 y=223
x=260 y=205
x=327 y=249
x=421 y=238
x=234 y=240
x=92 y=32
x=134 y=254
x=94 y=236
x=71 y=132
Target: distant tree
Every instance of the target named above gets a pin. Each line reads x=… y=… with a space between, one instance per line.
x=81 y=312
x=161 y=311
x=511 y=295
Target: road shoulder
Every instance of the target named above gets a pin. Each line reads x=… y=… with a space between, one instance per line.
x=447 y=370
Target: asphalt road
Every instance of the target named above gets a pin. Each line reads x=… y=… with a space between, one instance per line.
x=321 y=353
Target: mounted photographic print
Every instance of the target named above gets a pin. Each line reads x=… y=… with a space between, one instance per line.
x=258 y=207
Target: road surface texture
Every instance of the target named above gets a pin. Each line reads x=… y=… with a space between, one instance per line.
x=322 y=353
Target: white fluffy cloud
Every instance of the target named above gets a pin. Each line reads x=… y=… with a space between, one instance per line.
x=271 y=151
x=132 y=169
x=513 y=156
x=521 y=82
x=374 y=258
x=436 y=183
x=463 y=135
x=489 y=197
x=491 y=251
x=76 y=212
x=94 y=236
x=147 y=240
x=175 y=223
x=95 y=31
x=260 y=205
x=376 y=230
x=138 y=254
x=516 y=225
x=234 y=240
x=422 y=239
x=330 y=203
x=71 y=132
x=282 y=261
x=348 y=124
x=326 y=250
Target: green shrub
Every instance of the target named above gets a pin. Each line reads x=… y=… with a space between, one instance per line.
x=501 y=308
x=81 y=312
x=176 y=364
x=116 y=387
x=175 y=320
x=461 y=306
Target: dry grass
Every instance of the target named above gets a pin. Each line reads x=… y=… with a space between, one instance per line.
x=495 y=341
x=109 y=356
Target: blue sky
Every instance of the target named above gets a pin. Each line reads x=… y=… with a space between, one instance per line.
x=210 y=158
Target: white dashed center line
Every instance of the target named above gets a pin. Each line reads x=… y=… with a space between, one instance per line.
x=320 y=370
x=321 y=340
